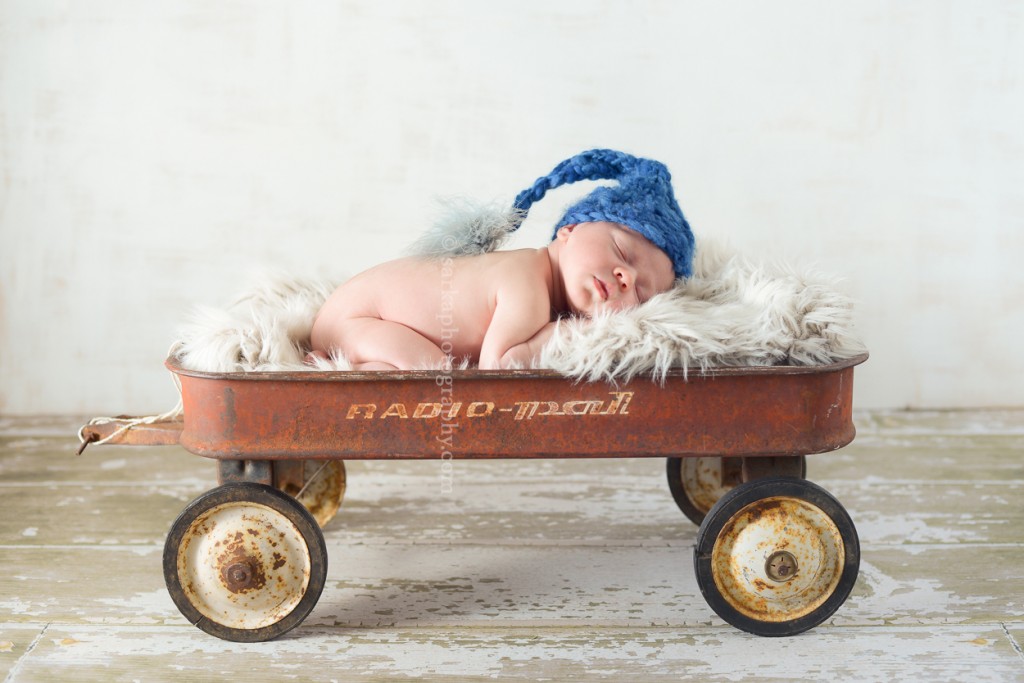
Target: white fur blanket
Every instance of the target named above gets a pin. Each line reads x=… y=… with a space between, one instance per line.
x=732 y=311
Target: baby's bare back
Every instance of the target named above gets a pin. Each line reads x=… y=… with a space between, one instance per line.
x=448 y=301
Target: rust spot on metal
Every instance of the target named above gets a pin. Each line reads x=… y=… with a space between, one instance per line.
x=243 y=575
x=240 y=571
x=761 y=508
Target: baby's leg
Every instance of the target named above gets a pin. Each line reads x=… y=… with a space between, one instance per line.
x=314 y=357
x=375 y=365
x=375 y=344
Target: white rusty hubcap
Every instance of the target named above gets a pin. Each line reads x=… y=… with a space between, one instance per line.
x=322 y=484
x=778 y=559
x=706 y=480
x=243 y=565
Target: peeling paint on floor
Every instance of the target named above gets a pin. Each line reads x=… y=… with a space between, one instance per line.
x=532 y=570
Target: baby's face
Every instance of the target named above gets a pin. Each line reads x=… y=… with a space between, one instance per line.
x=608 y=267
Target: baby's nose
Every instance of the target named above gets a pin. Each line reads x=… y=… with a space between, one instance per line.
x=624 y=278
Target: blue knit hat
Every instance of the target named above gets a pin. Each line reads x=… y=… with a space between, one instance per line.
x=642 y=201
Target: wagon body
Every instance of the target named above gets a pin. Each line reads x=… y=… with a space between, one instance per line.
x=760 y=411
x=775 y=554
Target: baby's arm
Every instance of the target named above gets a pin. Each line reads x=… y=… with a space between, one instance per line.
x=522 y=354
x=520 y=326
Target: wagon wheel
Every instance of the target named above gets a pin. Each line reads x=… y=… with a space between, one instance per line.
x=318 y=484
x=698 y=483
x=776 y=557
x=245 y=562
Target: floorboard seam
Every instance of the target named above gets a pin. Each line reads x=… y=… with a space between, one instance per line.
x=1013 y=641
x=12 y=674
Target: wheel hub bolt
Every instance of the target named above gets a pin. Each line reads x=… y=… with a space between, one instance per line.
x=239 y=576
x=780 y=566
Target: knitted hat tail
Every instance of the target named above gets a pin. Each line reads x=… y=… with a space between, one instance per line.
x=597 y=164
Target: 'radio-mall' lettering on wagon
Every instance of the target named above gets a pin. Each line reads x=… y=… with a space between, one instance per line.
x=617 y=404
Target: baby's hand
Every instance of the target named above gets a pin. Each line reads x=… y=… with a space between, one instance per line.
x=522 y=355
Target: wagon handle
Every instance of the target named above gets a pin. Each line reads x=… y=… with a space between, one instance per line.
x=86 y=436
x=166 y=427
x=152 y=430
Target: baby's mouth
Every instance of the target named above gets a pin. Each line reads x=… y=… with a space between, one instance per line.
x=602 y=290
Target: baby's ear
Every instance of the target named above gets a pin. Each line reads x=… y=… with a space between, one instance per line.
x=564 y=232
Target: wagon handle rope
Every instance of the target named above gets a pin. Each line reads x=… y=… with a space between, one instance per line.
x=127 y=423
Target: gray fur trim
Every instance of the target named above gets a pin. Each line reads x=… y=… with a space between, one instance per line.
x=466 y=228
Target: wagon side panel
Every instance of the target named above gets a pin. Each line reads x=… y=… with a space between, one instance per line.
x=759 y=412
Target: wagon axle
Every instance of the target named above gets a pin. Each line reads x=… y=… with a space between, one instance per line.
x=780 y=566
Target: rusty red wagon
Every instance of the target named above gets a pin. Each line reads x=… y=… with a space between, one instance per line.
x=246 y=561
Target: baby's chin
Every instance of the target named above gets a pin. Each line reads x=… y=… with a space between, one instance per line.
x=594 y=307
x=588 y=312
x=601 y=309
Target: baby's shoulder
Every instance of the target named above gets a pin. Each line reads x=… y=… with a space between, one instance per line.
x=524 y=262
x=522 y=275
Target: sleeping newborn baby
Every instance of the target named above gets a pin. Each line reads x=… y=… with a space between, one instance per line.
x=614 y=249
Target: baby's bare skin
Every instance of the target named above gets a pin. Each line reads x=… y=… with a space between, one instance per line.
x=414 y=311
x=497 y=309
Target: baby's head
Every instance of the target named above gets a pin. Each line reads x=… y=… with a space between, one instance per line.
x=619 y=245
x=605 y=267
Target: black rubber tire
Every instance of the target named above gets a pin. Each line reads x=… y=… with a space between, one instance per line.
x=750 y=492
x=261 y=494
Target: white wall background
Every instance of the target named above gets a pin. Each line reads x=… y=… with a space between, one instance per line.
x=153 y=153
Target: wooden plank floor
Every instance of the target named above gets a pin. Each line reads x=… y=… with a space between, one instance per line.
x=533 y=570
